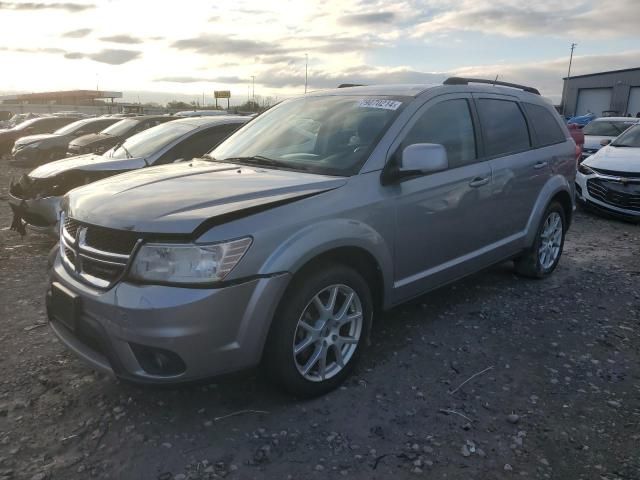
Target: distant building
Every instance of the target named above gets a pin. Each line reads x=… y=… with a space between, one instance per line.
x=616 y=92
x=69 y=97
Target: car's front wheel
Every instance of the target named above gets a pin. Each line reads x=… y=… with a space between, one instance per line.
x=543 y=257
x=319 y=330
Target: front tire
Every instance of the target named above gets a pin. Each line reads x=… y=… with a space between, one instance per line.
x=542 y=259
x=319 y=330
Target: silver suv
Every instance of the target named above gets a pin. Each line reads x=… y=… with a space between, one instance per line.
x=279 y=246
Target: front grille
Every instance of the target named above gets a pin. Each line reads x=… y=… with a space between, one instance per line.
x=110 y=240
x=615 y=193
x=98 y=255
x=614 y=173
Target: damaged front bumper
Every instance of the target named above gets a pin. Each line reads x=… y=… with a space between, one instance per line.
x=40 y=214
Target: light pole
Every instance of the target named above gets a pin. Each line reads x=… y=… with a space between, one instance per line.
x=253 y=88
x=565 y=87
x=306 y=71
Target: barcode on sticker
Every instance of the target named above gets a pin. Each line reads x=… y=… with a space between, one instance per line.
x=379 y=103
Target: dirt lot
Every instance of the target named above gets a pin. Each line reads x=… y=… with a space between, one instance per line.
x=559 y=396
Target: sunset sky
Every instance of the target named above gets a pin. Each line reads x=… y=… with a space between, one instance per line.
x=160 y=50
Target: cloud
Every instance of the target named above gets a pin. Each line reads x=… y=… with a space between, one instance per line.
x=187 y=79
x=32 y=50
x=365 y=19
x=275 y=51
x=80 y=33
x=69 y=7
x=214 y=44
x=547 y=75
x=516 y=18
x=109 y=56
x=122 y=38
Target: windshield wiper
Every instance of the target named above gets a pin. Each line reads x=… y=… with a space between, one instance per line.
x=623 y=145
x=254 y=160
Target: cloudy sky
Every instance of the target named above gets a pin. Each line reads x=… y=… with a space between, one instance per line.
x=159 y=50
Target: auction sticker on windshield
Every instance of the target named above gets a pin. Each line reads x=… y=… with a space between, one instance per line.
x=379 y=103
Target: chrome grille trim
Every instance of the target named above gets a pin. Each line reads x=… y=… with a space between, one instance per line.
x=78 y=257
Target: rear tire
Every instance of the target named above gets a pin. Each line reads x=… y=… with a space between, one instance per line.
x=543 y=257
x=319 y=330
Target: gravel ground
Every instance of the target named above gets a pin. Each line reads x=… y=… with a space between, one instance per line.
x=556 y=392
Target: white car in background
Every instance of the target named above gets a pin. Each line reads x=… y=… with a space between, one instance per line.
x=604 y=129
x=609 y=180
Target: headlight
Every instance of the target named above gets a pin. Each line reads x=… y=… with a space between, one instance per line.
x=583 y=169
x=178 y=263
x=32 y=145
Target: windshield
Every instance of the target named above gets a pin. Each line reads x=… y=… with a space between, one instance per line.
x=330 y=135
x=26 y=124
x=150 y=141
x=606 y=128
x=72 y=127
x=121 y=127
x=630 y=138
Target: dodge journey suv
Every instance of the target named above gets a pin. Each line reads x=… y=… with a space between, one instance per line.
x=277 y=247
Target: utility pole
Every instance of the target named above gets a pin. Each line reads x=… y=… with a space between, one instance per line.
x=253 y=88
x=306 y=71
x=565 y=87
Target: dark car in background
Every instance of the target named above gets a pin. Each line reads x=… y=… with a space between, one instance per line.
x=35 y=198
x=114 y=134
x=35 y=150
x=32 y=126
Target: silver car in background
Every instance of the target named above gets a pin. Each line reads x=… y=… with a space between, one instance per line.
x=281 y=245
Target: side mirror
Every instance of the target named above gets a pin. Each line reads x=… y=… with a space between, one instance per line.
x=604 y=142
x=421 y=158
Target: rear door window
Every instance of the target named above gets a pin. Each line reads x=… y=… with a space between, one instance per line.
x=504 y=127
x=547 y=130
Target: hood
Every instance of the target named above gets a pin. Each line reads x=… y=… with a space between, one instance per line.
x=93 y=138
x=593 y=141
x=48 y=137
x=178 y=198
x=617 y=159
x=88 y=163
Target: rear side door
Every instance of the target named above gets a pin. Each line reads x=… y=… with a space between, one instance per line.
x=519 y=171
x=443 y=218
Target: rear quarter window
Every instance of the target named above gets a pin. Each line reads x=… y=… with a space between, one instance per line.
x=547 y=130
x=504 y=127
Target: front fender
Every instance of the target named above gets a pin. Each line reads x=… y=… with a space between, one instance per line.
x=555 y=185
x=314 y=240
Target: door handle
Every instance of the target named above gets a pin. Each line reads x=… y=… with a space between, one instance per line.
x=540 y=165
x=479 y=181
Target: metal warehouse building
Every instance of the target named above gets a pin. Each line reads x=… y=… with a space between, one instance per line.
x=616 y=91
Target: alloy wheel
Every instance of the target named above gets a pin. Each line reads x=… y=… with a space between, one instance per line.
x=328 y=333
x=550 y=240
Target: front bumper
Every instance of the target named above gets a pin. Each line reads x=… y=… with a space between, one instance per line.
x=41 y=215
x=25 y=157
x=602 y=203
x=211 y=330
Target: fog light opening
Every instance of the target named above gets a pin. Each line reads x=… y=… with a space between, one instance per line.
x=158 y=361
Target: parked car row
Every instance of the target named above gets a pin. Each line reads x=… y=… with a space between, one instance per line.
x=279 y=244
x=35 y=197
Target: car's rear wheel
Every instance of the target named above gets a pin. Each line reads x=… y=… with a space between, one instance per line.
x=319 y=330
x=542 y=259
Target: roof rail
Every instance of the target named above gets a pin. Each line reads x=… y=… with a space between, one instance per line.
x=467 y=81
x=349 y=85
